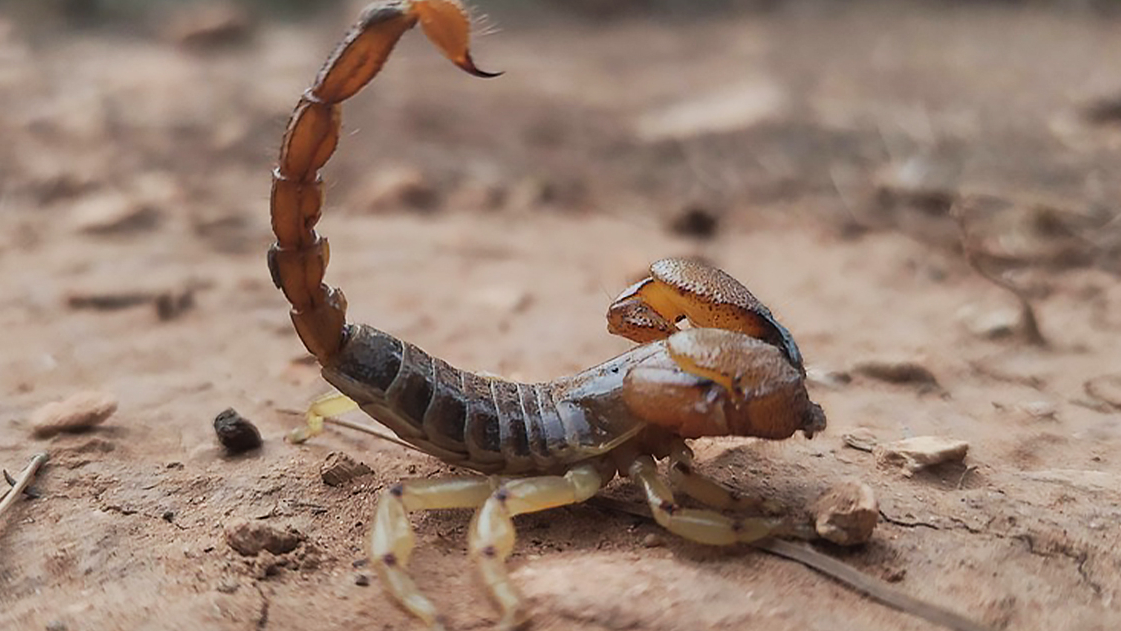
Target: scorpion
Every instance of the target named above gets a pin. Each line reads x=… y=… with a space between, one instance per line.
x=735 y=371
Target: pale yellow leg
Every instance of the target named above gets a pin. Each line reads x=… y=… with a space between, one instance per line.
x=492 y=530
x=393 y=539
x=700 y=525
x=686 y=479
x=328 y=405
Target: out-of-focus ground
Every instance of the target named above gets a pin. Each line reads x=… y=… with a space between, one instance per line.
x=814 y=151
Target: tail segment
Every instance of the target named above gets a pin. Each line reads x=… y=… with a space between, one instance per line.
x=298 y=259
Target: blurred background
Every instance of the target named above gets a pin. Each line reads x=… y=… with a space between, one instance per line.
x=866 y=115
x=926 y=194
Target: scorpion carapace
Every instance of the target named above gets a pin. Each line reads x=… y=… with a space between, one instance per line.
x=736 y=372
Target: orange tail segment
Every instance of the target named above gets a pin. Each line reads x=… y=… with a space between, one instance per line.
x=298 y=259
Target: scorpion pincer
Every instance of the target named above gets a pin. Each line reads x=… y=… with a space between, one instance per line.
x=736 y=371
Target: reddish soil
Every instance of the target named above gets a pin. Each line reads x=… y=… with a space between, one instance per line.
x=826 y=143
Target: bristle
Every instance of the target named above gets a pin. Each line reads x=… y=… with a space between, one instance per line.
x=483 y=26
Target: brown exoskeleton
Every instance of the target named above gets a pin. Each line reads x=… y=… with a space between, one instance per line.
x=737 y=371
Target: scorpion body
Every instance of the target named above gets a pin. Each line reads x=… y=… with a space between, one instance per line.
x=496 y=426
x=736 y=372
x=483 y=423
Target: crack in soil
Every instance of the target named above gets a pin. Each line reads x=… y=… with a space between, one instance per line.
x=1067 y=549
x=263 y=616
x=1081 y=556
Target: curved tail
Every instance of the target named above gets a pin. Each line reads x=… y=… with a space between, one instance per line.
x=298 y=259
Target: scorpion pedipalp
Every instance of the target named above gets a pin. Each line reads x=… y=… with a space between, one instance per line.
x=680 y=289
x=713 y=382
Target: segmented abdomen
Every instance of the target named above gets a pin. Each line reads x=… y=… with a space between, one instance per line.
x=484 y=423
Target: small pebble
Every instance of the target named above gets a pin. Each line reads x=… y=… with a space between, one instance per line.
x=920 y=452
x=1105 y=389
x=1040 y=409
x=901 y=373
x=895 y=574
x=502 y=299
x=205 y=26
x=340 y=468
x=56 y=625
x=249 y=538
x=995 y=325
x=832 y=379
x=475 y=195
x=168 y=516
x=172 y=304
x=362 y=580
x=695 y=221
x=113 y=213
x=227 y=586
x=75 y=414
x=861 y=439
x=400 y=188
x=847 y=513
x=653 y=540
x=236 y=433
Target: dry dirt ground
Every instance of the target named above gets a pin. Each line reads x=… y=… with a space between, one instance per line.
x=491 y=223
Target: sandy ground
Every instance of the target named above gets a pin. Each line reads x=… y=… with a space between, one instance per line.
x=491 y=223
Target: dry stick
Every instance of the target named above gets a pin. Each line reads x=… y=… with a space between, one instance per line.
x=838 y=571
x=22 y=481
x=1028 y=322
x=373 y=431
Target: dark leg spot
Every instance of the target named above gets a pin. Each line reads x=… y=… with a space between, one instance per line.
x=397 y=490
x=501 y=494
x=668 y=506
x=389 y=559
x=489 y=552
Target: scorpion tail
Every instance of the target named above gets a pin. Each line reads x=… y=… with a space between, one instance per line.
x=298 y=259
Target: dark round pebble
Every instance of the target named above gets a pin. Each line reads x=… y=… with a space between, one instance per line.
x=235 y=432
x=362 y=580
x=696 y=222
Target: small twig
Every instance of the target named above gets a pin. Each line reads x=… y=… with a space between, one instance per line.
x=838 y=571
x=22 y=481
x=1029 y=325
x=869 y=586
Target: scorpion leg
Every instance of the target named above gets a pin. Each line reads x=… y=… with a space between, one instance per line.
x=679 y=289
x=700 y=525
x=492 y=530
x=709 y=492
x=393 y=539
x=326 y=406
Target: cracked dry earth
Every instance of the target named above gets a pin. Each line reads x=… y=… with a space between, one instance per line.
x=133 y=170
